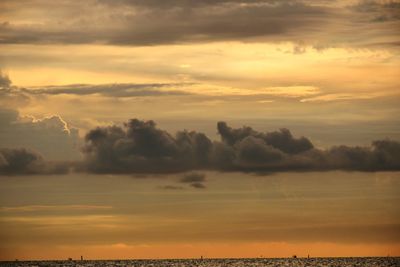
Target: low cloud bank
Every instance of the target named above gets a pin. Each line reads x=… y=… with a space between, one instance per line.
x=26 y=162
x=140 y=147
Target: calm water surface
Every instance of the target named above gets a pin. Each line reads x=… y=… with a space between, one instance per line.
x=318 y=262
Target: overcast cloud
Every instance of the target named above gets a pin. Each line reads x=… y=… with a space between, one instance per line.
x=125 y=22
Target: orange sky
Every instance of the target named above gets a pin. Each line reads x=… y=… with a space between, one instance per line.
x=237 y=215
x=236 y=250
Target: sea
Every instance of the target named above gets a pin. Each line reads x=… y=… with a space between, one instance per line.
x=256 y=262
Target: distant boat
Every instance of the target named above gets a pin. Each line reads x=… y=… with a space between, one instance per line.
x=294 y=257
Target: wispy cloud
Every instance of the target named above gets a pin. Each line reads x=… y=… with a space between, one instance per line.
x=344 y=96
x=113 y=90
x=292 y=91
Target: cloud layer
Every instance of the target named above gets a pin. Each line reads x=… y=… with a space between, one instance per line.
x=21 y=161
x=137 y=22
x=112 y=90
x=141 y=147
x=162 y=22
x=119 y=90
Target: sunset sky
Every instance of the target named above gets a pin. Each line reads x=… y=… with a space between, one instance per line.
x=188 y=128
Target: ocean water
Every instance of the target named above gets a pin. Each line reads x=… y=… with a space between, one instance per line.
x=299 y=262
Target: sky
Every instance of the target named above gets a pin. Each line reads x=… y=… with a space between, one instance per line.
x=186 y=128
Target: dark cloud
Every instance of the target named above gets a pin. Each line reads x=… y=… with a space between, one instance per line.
x=112 y=90
x=120 y=90
x=163 y=22
x=281 y=140
x=140 y=147
x=194 y=179
x=383 y=155
x=198 y=185
x=155 y=22
x=217 y=22
x=24 y=162
x=378 y=11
